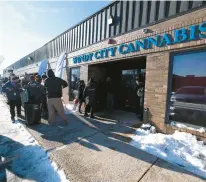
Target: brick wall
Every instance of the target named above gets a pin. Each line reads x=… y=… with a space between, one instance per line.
x=156 y=87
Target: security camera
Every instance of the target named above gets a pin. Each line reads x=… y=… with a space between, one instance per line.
x=145 y=30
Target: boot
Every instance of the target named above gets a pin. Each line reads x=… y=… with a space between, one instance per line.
x=86 y=114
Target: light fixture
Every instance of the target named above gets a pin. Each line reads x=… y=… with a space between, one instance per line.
x=110 y=20
x=145 y=31
x=29 y=58
x=111 y=41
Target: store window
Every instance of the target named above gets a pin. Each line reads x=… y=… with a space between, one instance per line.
x=74 y=79
x=188 y=89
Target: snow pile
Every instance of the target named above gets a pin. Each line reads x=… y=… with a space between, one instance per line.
x=180 y=125
x=30 y=161
x=69 y=108
x=181 y=149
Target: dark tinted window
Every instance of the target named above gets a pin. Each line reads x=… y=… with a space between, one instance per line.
x=189 y=86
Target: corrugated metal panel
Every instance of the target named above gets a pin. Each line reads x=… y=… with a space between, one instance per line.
x=103 y=25
x=72 y=39
x=66 y=41
x=78 y=37
x=88 y=32
x=130 y=16
x=84 y=37
x=107 y=25
x=153 y=12
x=173 y=8
x=137 y=14
x=118 y=18
x=113 y=26
x=69 y=40
x=124 y=16
x=196 y=4
x=145 y=12
x=162 y=8
x=99 y=27
x=75 y=37
x=95 y=29
x=81 y=35
x=92 y=30
x=184 y=6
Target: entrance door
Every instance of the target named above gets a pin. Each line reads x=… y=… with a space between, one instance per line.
x=129 y=99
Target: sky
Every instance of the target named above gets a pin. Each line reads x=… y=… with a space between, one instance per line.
x=27 y=25
x=190 y=64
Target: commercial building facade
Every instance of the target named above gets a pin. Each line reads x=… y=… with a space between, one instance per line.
x=164 y=40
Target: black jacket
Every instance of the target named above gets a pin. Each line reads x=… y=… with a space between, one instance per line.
x=81 y=93
x=90 y=93
x=35 y=92
x=54 y=86
x=109 y=87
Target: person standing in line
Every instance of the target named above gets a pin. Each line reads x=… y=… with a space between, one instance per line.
x=90 y=97
x=34 y=91
x=44 y=98
x=12 y=89
x=43 y=106
x=140 y=94
x=54 y=86
x=81 y=94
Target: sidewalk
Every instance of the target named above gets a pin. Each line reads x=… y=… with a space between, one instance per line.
x=93 y=150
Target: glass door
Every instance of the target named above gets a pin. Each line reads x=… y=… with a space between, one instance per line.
x=129 y=99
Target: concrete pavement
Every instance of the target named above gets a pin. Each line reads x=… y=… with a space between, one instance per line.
x=97 y=150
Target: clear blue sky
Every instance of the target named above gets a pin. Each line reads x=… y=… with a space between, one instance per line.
x=190 y=64
x=25 y=26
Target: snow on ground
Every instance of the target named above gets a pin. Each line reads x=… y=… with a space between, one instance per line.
x=181 y=148
x=180 y=125
x=31 y=161
x=70 y=108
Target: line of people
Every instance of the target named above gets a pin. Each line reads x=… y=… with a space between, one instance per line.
x=44 y=91
x=103 y=94
x=93 y=94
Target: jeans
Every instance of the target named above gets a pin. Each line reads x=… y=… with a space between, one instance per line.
x=12 y=105
x=110 y=101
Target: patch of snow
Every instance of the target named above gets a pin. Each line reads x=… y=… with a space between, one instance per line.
x=182 y=149
x=180 y=125
x=29 y=160
x=70 y=108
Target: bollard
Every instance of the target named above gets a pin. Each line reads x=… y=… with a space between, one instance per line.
x=146 y=115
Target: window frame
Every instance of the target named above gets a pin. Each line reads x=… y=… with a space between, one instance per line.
x=170 y=76
x=70 y=86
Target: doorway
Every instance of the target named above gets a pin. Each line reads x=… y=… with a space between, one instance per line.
x=123 y=74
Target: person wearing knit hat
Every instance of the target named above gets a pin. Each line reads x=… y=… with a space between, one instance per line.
x=54 y=86
x=12 y=88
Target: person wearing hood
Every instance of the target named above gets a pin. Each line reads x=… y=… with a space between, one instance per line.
x=54 y=86
x=81 y=88
x=12 y=88
x=140 y=94
x=90 y=97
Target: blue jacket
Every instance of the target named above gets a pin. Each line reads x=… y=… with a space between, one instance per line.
x=12 y=91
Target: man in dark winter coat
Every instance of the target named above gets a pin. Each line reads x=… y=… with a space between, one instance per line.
x=81 y=94
x=140 y=94
x=90 y=97
x=34 y=91
x=54 y=86
x=12 y=89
